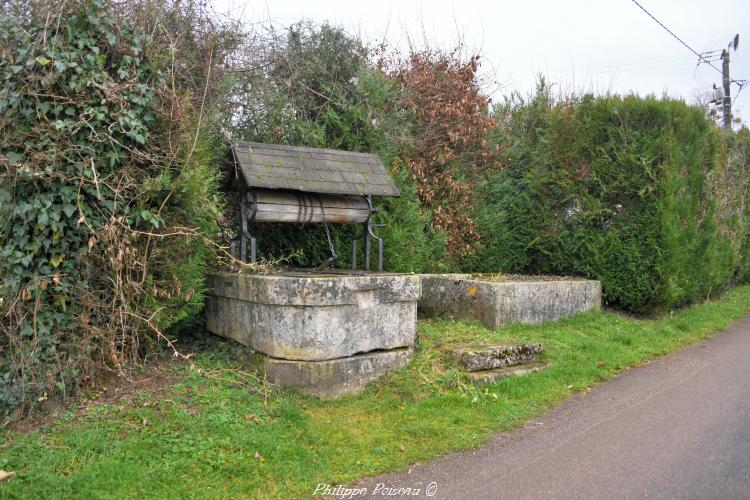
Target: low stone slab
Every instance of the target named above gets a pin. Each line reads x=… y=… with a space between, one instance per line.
x=490 y=376
x=314 y=318
x=498 y=303
x=332 y=378
x=477 y=357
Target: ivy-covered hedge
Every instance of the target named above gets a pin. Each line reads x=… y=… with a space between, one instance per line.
x=107 y=194
x=644 y=194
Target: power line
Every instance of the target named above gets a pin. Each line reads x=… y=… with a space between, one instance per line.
x=675 y=36
x=623 y=62
x=741 y=83
x=738 y=93
x=585 y=72
x=604 y=67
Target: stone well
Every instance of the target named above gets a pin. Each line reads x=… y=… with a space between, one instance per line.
x=515 y=300
x=327 y=335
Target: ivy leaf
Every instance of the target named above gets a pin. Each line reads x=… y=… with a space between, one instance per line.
x=61 y=302
x=138 y=137
x=22 y=209
x=69 y=210
x=57 y=260
x=108 y=205
x=13 y=157
x=113 y=157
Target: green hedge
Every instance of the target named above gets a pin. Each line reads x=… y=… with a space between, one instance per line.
x=646 y=195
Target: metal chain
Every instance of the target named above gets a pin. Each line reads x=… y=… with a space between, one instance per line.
x=328 y=232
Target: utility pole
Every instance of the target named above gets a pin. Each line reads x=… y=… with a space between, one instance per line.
x=727 y=104
x=725 y=95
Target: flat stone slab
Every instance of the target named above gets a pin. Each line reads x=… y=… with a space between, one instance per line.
x=490 y=376
x=477 y=357
x=314 y=318
x=332 y=378
x=498 y=303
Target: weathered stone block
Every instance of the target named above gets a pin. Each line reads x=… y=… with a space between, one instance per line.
x=335 y=377
x=314 y=318
x=498 y=303
x=478 y=357
x=490 y=376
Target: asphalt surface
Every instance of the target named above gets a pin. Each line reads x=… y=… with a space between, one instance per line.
x=678 y=427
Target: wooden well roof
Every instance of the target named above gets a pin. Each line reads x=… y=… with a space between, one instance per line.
x=313 y=170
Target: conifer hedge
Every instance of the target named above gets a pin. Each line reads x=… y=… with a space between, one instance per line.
x=644 y=194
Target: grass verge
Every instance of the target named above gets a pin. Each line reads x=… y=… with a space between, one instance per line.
x=220 y=433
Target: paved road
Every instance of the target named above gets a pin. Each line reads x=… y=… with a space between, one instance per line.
x=678 y=427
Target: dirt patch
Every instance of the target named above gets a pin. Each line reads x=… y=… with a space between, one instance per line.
x=155 y=379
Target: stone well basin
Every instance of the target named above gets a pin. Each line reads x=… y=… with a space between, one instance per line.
x=314 y=317
x=497 y=301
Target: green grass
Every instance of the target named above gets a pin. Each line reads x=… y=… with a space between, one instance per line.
x=216 y=435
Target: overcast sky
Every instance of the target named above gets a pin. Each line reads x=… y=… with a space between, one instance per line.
x=583 y=45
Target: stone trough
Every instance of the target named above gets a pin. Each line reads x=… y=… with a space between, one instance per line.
x=498 y=301
x=327 y=335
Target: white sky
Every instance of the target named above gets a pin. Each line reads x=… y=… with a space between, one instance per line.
x=582 y=45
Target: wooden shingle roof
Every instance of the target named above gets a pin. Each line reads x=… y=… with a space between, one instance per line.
x=312 y=169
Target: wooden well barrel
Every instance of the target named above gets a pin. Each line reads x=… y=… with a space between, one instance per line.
x=265 y=205
x=279 y=183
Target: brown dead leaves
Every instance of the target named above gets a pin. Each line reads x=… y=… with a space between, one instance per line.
x=452 y=147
